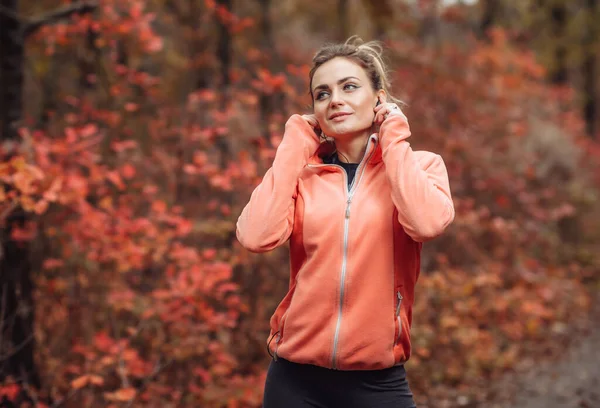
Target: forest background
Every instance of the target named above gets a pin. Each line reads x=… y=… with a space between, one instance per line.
x=133 y=132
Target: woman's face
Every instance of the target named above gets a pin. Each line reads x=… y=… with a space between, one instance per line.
x=343 y=98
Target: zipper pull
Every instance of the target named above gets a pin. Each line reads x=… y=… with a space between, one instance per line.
x=348 y=208
x=399 y=303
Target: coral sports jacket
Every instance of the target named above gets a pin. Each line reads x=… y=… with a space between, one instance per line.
x=354 y=252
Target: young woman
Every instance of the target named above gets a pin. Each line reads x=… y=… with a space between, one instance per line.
x=356 y=203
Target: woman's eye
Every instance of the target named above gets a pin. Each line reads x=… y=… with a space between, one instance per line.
x=350 y=85
x=320 y=95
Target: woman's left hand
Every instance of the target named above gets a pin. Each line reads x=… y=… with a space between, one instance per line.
x=384 y=110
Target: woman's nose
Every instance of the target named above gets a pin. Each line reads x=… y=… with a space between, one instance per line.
x=335 y=98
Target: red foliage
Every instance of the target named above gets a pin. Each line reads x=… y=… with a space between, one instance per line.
x=145 y=295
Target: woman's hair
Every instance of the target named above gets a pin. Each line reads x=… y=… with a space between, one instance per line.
x=368 y=55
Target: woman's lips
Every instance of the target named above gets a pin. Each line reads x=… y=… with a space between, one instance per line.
x=340 y=118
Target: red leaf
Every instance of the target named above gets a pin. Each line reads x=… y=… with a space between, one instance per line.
x=128 y=171
x=10 y=391
x=103 y=342
x=115 y=178
x=159 y=207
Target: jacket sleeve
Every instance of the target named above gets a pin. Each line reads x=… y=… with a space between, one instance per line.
x=419 y=182
x=266 y=222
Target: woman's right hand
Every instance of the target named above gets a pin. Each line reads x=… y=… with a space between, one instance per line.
x=313 y=122
x=297 y=131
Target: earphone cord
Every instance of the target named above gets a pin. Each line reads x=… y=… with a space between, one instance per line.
x=347 y=161
x=336 y=152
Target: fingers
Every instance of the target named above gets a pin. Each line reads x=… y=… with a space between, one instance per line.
x=311 y=120
x=378 y=117
x=380 y=114
x=382 y=111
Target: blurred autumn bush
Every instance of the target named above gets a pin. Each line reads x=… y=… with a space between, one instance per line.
x=137 y=174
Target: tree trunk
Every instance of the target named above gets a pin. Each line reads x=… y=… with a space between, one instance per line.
x=381 y=13
x=11 y=66
x=224 y=57
x=265 y=100
x=343 y=19
x=17 y=316
x=590 y=73
x=16 y=286
x=224 y=48
x=558 y=14
x=429 y=29
x=489 y=17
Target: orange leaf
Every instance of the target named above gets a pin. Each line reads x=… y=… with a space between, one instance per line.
x=124 y=394
x=96 y=380
x=80 y=382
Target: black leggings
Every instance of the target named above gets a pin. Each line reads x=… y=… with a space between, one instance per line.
x=292 y=385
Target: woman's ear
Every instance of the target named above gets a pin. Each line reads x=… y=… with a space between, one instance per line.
x=382 y=96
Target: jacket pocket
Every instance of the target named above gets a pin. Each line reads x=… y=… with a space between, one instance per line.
x=398 y=318
x=279 y=337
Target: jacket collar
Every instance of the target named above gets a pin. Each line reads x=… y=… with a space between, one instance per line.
x=326 y=153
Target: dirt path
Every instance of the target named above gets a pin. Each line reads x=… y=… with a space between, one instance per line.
x=571 y=381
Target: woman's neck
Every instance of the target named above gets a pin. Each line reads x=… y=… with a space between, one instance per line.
x=352 y=149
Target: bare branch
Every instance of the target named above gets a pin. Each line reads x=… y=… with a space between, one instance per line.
x=36 y=23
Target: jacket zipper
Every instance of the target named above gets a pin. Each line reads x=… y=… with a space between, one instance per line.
x=398 y=318
x=353 y=188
